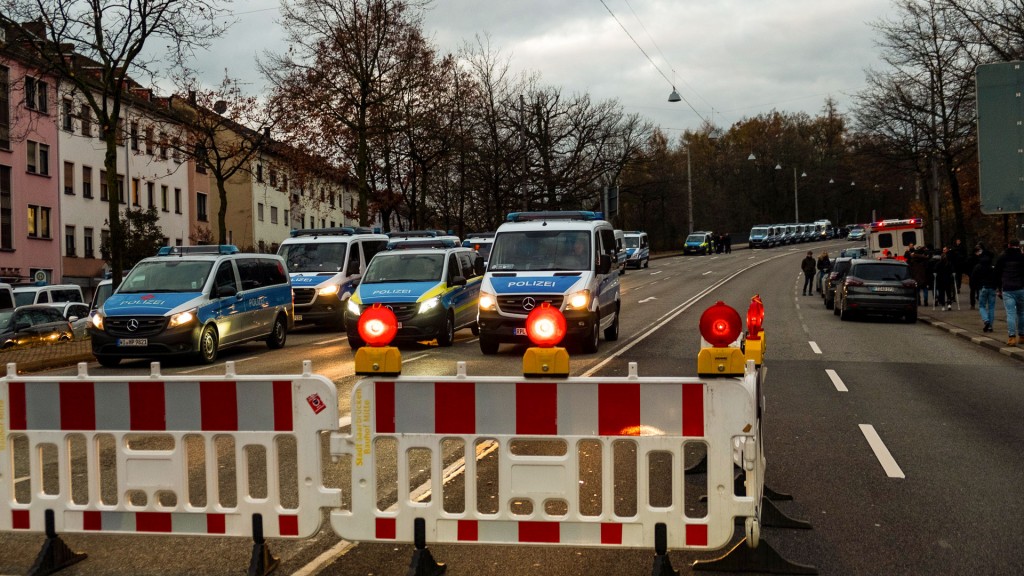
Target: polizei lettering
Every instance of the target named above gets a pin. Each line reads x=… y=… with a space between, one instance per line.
x=532 y=284
x=386 y=292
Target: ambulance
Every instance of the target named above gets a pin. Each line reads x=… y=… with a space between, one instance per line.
x=324 y=265
x=565 y=259
x=894 y=236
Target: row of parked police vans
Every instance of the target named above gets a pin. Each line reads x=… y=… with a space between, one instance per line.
x=197 y=300
x=772 y=235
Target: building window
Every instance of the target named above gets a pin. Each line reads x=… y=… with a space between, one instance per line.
x=135 y=192
x=134 y=136
x=86 y=182
x=259 y=172
x=104 y=193
x=67 y=116
x=201 y=207
x=273 y=177
x=120 y=188
x=176 y=149
x=259 y=212
x=163 y=146
x=86 y=114
x=150 y=142
x=164 y=205
x=177 y=200
x=87 y=247
x=69 y=241
x=69 y=178
x=201 y=158
x=36 y=93
x=5 y=112
x=6 y=233
x=151 y=194
x=38 y=221
x=273 y=214
x=38 y=158
x=286 y=221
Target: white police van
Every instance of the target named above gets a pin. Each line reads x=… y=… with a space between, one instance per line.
x=324 y=265
x=562 y=258
x=432 y=291
x=638 y=249
x=481 y=242
x=194 y=300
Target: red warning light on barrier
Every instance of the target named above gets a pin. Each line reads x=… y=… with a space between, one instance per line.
x=755 y=318
x=545 y=326
x=378 y=326
x=720 y=325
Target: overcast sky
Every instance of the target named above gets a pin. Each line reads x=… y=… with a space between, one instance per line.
x=730 y=59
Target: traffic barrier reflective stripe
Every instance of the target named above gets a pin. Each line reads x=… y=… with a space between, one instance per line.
x=657 y=415
x=260 y=415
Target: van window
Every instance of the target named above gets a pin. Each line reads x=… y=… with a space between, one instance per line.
x=250 y=271
x=453 y=269
x=468 y=270
x=24 y=298
x=314 y=256
x=909 y=237
x=885 y=240
x=171 y=275
x=273 y=272
x=65 y=295
x=371 y=247
x=225 y=278
x=352 y=267
x=5 y=300
x=608 y=243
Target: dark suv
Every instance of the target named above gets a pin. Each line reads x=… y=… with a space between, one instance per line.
x=877 y=287
x=839 y=269
x=33 y=325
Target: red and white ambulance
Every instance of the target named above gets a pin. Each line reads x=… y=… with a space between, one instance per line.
x=894 y=236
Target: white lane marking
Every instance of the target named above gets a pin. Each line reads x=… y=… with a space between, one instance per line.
x=836 y=380
x=752 y=257
x=706 y=273
x=814 y=346
x=239 y=361
x=646 y=300
x=339 y=549
x=656 y=273
x=892 y=469
x=415 y=358
x=331 y=341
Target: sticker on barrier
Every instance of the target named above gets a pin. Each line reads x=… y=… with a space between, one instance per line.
x=165 y=454
x=575 y=461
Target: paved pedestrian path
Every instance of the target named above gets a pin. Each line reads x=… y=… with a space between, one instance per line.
x=966 y=323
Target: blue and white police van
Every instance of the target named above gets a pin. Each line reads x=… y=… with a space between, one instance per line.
x=432 y=291
x=563 y=258
x=194 y=300
x=638 y=249
x=324 y=265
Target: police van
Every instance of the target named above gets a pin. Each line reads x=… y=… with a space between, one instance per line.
x=324 y=264
x=432 y=291
x=422 y=239
x=562 y=258
x=194 y=300
x=638 y=249
x=481 y=242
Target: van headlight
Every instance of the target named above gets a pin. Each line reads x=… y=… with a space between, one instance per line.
x=488 y=301
x=97 y=320
x=430 y=304
x=329 y=290
x=578 y=300
x=182 y=318
x=353 y=308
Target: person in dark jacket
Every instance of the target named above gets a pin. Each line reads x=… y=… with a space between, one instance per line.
x=983 y=281
x=944 y=280
x=824 y=266
x=1009 y=270
x=919 y=272
x=807 y=266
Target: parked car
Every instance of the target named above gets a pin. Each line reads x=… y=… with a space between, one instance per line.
x=857 y=233
x=840 y=267
x=877 y=287
x=33 y=325
x=77 y=313
x=699 y=243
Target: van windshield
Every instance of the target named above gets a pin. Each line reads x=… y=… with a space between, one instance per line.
x=24 y=298
x=541 y=250
x=314 y=256
x=404 y=267
x=759 y=232
x=632 y=242
x=695 y=239
x=171 y=275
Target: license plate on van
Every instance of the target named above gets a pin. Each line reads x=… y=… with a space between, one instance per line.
x=298 y=317
x=133 y=342
x=520 y=332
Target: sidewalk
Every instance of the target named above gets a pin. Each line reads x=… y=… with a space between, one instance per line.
x=966 y=324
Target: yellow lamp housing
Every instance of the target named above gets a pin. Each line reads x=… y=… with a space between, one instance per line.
x=754 y=350
x=378 y=361
x=720 y=362
x=546 y=362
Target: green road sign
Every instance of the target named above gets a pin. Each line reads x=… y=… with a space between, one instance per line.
x=1001 y=137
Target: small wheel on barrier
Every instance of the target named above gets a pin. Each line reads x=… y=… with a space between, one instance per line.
x=752 y=530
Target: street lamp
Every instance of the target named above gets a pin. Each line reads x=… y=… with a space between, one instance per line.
x=796 y=191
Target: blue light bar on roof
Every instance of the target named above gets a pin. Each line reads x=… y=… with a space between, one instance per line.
x=554 y=215
x=205 y=249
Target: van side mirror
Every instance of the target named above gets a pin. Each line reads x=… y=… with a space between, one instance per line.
x=226 y=291
x=604 y=264
x=478 y=265
x=458 y=281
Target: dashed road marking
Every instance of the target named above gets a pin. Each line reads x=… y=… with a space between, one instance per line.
x=814 y=346
x=892 y=469
x=836 y=380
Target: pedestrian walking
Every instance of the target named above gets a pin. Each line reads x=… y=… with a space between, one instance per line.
x=728 y=243
x=919 y=272
x=1009 y=269
x=807 y=265
x=944 y=280
x=824 y=266
x=983 y=281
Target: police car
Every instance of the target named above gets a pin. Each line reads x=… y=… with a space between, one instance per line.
x=194 y=301
x=324 y=265
x=562 y=258
x=638 y=249
x=432 y=291
x=422 y=239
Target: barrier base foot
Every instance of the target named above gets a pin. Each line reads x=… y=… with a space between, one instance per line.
x=772 y=517
x=763 y=559
x=777 y=496
x=663 y=566
x=423 y=564
x=263 y=562
x=54 y=556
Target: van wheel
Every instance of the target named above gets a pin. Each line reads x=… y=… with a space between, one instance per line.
x=611 y=333
x=590 y=342
x=447 y=334
x=475 y=329
x=355 y=342
x=647 y=263
x=278 y=334
x=108 y=361
x=489 y=346
x=208 y=345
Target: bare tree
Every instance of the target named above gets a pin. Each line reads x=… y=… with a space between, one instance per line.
x=95 y=46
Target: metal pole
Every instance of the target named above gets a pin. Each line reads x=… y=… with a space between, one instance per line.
x=689 y=191
x=796 y=197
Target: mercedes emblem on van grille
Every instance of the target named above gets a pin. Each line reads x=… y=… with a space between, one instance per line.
x=133 y=325
x=529 y=303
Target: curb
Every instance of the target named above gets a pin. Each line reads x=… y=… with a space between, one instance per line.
x=984 y=341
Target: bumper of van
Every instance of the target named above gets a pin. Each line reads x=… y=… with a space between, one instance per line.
x=324 y=310
x=503 y=328
x=425 y=326
x=170 y=342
